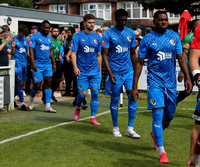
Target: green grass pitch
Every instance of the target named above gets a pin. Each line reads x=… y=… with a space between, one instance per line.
x=80 y=144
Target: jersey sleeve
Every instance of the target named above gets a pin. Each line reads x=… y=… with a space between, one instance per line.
x=74 y=44
x=32 y=41
x=143 y=49
x=99 y=48
x=50 y=42
x=27 y=45
x=178 y=46
x=105 y=40
x=185 y=44
x=61 y=50
x=133 y=43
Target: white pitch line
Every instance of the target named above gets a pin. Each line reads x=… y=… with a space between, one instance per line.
x=66 y=123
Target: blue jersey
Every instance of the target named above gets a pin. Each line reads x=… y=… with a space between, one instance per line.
x=42 y=45
x=161 y=51
x=86 y=47
x=119 y=44
x=20 y=56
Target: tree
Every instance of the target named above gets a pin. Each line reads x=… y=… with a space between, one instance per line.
x=173 y=6
x=19 y=3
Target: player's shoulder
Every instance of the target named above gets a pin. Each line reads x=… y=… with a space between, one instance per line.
x=173 y=33
x=97 y=36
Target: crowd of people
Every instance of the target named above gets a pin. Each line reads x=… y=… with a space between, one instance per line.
x=76 y=58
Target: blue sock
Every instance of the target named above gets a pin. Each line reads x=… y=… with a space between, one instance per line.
x=94 y=104
x=20 y=93
x=198 y=105
x=33 y=93
x=132 y=109
x=114 y=109
x=48 y=94
x=79 y=99
x=157 y=126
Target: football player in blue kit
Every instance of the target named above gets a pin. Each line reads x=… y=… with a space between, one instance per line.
x=118 y=51
x=42 y=61
x=161 y=47
x=20 y=57
x=86 y=60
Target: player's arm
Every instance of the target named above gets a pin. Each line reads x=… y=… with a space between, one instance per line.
x=32 y=55
x=68 y=56
x=133 y=57
x=184 y=68
x=106 y=62
x=99 y=57
x=137 y=72
x=194 y=137
x=181 y=74
x=52 y=60
x=73 y=57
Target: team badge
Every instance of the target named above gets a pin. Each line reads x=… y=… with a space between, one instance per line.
x=187 y=45
x=79 y=87
x=109 y=90
x=129 y=39
x=172 y=42
x=95 y=41
x=71 y=46
x=30 y=43
x=153 y=102
x=19 y=77
x=49 y=40
x=103 y=43
x=25 y=43
x=35 y=78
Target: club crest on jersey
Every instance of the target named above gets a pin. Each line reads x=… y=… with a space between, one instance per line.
x=49 y=40
x=19 y=77
x=25 y=43
x=129 y=39
x=172 y=42
x=109 y=90
x=95 y=41
x=153 y=102
x=79 y=87
x=35 y=78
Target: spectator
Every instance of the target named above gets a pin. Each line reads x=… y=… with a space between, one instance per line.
x=99 y=31
x=148 y=30
x=140 y=32
x=34 y=29
x=104 y=29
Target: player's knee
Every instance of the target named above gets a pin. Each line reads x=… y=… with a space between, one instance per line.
x=81 y=96
x=114 y=100
x=157 y=115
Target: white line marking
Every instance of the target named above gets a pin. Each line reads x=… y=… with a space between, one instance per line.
x=66 y=123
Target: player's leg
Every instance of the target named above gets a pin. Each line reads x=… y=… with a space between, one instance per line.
x=94 y=84
x=155 y=99
x=132 y=105
x=83 y=85
x=37 y=82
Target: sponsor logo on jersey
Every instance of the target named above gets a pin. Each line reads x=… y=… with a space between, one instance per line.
x=43 y=47
x=129 y=39
x=103 y=43
x=162 y=56
x=22 y=50
x=172 y=42
x=153 y=102
x=87 y=49
x=95 y=41
x=120 y=49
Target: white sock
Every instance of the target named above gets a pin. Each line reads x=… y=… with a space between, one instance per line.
x=130 y=128
x=116 y=128
x=47 y=105
x=22 y=103
x=161 y=150
x=92 y=116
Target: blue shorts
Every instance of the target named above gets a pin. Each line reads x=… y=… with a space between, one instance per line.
x=86 y=81
x=20 y=74
x=125 y=79
x=162 y=98
x=42 y=72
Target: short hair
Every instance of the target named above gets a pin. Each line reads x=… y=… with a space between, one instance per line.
x=45 y=22
x=6 y=28
x=120 y=12
x=23 y=29
x=88 y=16
x=191 y=24
x=54 y=27
x=157 y=13
x=148 y=30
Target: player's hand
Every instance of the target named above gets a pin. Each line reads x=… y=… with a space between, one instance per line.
x=134 y=95
x=113 y=79
x=188 y=86
x=68 y=59
x=54 y=67
x=77 y=72
x=60 y=58
x=180 y=76
x=190 y=162
x=9 y=38
x=34 y=67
